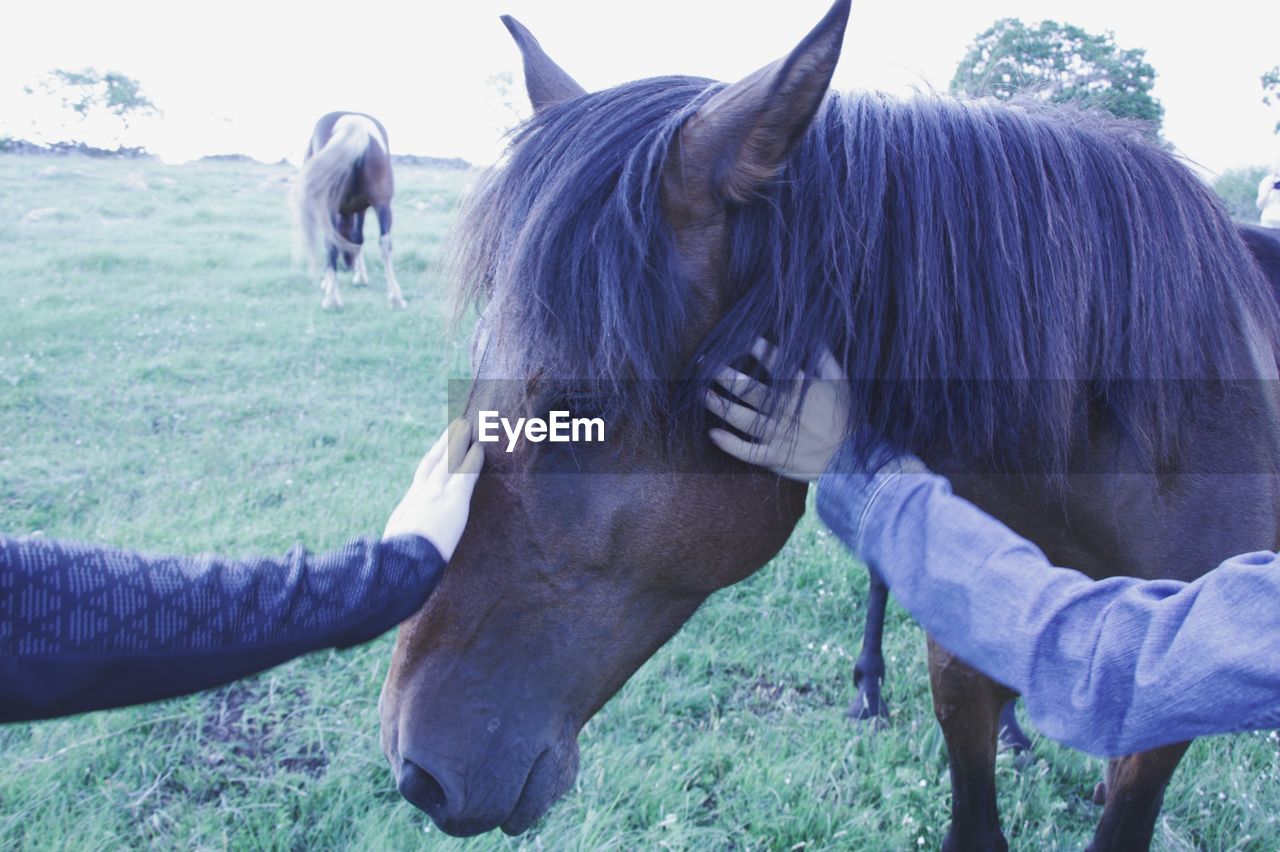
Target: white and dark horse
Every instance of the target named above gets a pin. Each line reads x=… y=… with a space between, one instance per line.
x=346 y=171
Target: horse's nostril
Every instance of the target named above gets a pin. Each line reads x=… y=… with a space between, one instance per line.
x=422 y=789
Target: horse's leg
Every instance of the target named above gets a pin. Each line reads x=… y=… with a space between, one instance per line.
x=868 y=672
x=967 y=704
x=1012 y=737
x=384 y=243
x=1134 y=793
x=329 y=284
x=361 y=277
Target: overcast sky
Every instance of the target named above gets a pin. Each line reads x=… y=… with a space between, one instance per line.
x=252 y=77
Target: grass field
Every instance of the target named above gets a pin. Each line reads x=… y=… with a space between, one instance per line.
x=167 y=381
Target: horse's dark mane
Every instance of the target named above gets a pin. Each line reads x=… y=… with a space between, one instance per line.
x=994 y=271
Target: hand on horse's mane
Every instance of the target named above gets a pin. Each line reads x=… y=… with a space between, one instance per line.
x=438 y=502
x=800 y=433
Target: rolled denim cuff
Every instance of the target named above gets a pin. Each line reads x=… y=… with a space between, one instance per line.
x=853 y=482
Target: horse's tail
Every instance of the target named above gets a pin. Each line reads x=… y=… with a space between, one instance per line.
x=317 y=194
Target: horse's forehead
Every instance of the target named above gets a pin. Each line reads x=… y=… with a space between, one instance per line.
x=496 y=383
x=480 y=342
x=494 y=352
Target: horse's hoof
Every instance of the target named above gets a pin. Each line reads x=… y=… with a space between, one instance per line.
x=870 y=711
x=992 y=841
x=1100 y=793
x=868 y=724
x=1014 y=741
x=398 y=303
x=1019 y=761
x=329 y=304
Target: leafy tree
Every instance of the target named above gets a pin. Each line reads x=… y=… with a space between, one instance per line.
x=507 y=105
x=89 y=91
x=1238 y=189
x=1271 y=90
x=1059 y=63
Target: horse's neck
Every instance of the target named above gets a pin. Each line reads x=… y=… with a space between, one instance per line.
x=1115 y=515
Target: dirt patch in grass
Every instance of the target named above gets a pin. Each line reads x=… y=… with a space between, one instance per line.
x=241 y=726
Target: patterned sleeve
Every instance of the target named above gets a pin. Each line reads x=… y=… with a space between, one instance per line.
x=85 y=627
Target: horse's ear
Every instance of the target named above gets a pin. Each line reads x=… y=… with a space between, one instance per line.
x=737 y=141
x=546 y=81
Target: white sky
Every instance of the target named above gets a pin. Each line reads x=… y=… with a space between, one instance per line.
x=251 y=77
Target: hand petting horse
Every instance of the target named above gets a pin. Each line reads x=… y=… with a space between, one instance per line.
x=347 y=170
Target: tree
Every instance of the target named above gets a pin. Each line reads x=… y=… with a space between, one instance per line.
x=507 y=105
x=1271 y=90
x=90 y=93
x=1059 y=63
x=1238 y=189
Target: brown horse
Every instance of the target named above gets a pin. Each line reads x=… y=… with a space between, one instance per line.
x=652 y=230
x=346 y=171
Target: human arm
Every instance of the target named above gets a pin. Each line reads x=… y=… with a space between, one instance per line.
x=1112 y=667
x=84 y=627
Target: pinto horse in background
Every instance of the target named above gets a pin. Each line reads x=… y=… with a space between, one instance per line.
x=1041 y=303
x=346 y=171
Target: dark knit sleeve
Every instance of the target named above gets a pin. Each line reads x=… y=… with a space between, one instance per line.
x=85 y=627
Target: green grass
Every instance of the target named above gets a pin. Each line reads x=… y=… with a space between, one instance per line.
x=167 y=381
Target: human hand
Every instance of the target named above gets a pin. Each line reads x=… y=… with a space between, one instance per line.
x=800 y=437
x=438 y=502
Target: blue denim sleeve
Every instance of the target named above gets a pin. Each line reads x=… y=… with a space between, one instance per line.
x=1111 y=667
x=84 y=627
